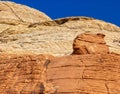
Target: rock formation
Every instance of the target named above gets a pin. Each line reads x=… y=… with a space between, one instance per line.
x=90 y=44
x=11 y=12
x=85 y=74
x=86 y=66
x=37 y=33
x=90 y=73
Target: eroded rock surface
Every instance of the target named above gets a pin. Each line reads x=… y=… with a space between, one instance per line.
x=85 y=73
x=25 y=33
x=11 y=12
x=79 y=74
x=23 y=29
x=90 y=44
x=23 y=74
x=54 y=37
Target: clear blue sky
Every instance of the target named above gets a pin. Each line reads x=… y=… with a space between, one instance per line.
x=107 y=10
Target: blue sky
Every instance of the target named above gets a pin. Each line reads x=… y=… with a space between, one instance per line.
x=107 y=10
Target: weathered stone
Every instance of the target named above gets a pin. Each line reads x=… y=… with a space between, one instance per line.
x=90 y=44
x=85 y=74
x=90 y=73
x=17 y=12
x=25 y=33
x=23 y=73
x=54 y=37
x=79 y=74
x=33 y=32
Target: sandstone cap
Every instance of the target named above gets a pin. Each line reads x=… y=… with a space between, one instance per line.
x=13 y=11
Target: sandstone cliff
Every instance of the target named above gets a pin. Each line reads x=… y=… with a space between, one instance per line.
x=91 y=73
x=37 y=33
x=90 y=49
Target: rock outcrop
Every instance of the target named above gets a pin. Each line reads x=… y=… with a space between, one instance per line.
x=23 y=29
x=28 y=36
x=90 y=44
x=11 y=13
x=23 y=74
x=79 y=74
x=86 y=73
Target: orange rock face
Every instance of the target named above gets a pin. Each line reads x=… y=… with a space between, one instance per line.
x=22 y=74
x=85 y=74
x=89 y=72
x=90 y=44
x=79 y=74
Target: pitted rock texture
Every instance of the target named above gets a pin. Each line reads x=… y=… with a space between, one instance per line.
x=44 y=36
x=75 y=74
x=23 y=74
x=90 y=44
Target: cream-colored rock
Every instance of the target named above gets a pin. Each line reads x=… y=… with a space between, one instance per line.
x=13 y=11
x=50 y=37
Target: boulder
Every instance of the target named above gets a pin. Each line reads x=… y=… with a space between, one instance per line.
x=90 y=44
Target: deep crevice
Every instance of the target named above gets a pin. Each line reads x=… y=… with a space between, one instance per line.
x=108 y=91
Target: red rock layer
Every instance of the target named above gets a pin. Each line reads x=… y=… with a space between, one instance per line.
x=95 y=71
x=85 y=74
x=90 y=44
x=78 y=74
x=22 y=74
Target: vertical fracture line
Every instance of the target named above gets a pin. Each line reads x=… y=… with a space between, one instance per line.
x=13 y=12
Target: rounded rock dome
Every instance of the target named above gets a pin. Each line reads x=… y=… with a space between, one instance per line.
x=13 y=11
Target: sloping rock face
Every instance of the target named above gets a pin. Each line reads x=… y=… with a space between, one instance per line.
x=90 y=44
x=87 y=73
x=25 y=33
x=54 y=37
x=23 y=29
x=11 y=12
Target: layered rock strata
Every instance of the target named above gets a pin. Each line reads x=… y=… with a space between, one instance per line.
x=27 y=36
x=86 y=73
x=23 y=29
x=79 y=74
